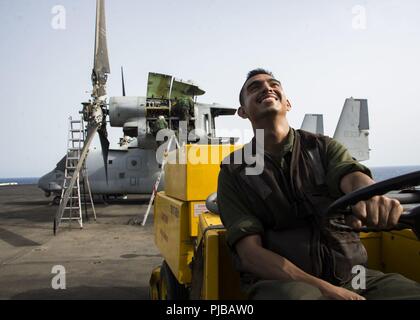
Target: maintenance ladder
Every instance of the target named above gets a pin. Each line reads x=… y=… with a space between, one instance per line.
x=73 y=209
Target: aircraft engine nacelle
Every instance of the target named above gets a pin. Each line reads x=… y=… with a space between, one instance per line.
x=129 y=113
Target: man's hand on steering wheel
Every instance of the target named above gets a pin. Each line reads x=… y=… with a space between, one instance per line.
x=378 y=212
x=371 y=211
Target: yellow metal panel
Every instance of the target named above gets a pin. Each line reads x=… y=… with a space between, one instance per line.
x=172 y=235
x=373 y=244
x=154 y=284
x=211 y=266
x=191 y=174
x=401 y=253
x=175 y=180
x=220 y=280
x=229 y=280
x=207 y=220
x=407 y=233
x=211 y=254
x=195 y=208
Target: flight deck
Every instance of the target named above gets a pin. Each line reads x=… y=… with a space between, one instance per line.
x=107 y=259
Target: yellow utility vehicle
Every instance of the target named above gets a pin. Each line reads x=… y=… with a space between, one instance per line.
x=191 y=236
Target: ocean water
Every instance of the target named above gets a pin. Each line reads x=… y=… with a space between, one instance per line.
x=379 y=174
x=28 y=180
x=383 y=173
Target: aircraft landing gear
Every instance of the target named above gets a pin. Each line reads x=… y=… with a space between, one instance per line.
x=56 y=200
x=105 y=199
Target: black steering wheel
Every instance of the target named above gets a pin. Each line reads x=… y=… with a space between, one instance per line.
x=409 y=219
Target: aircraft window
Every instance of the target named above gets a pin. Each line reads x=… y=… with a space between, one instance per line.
x=109 y=161
x=122 y=175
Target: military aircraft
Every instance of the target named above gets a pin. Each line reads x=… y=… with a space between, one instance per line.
x=134 y=170
x=352 y=129
x=133 y=167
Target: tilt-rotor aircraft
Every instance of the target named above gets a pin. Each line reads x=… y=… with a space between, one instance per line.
x=132 y=168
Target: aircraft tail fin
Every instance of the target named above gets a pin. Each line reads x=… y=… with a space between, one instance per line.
x=313 y=123
x=61 y=165
x=353 y=128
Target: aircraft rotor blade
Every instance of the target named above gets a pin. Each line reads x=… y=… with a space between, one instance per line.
x=101 y=60
x=123 y=82
x=69 y=188
x=103 y=137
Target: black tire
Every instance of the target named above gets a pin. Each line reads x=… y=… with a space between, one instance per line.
x=170 y=288
x=56 y=200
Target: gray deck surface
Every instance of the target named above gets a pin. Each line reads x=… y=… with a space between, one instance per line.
x=108 y=259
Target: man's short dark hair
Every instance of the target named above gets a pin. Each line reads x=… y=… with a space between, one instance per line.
x=251 y=74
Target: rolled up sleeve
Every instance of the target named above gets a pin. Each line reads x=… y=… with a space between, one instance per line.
x=340 y=163
x=234 y=210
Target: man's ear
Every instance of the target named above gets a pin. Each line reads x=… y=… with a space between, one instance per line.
x=288 y=105
x=242 y=113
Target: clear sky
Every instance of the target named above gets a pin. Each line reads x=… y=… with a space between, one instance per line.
x=323 y=52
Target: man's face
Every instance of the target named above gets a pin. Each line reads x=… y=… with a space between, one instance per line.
x=263 y=97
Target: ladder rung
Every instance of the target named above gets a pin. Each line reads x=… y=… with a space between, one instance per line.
x=72 y=208
x=75 y=218
x=68 y=178
x=74 y=149
x=71 y=139
x=72 y=158
x=76 y=130
x=66 y=189
x=70 y=198
x=76 y=121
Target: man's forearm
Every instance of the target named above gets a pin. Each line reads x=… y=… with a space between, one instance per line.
x=268 y=265
x=379 y=211
x=354 y=181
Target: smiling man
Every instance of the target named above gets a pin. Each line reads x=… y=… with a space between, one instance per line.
x=282 y=243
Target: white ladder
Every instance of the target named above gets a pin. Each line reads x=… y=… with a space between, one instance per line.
x=73 y=209
x=156 y=185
